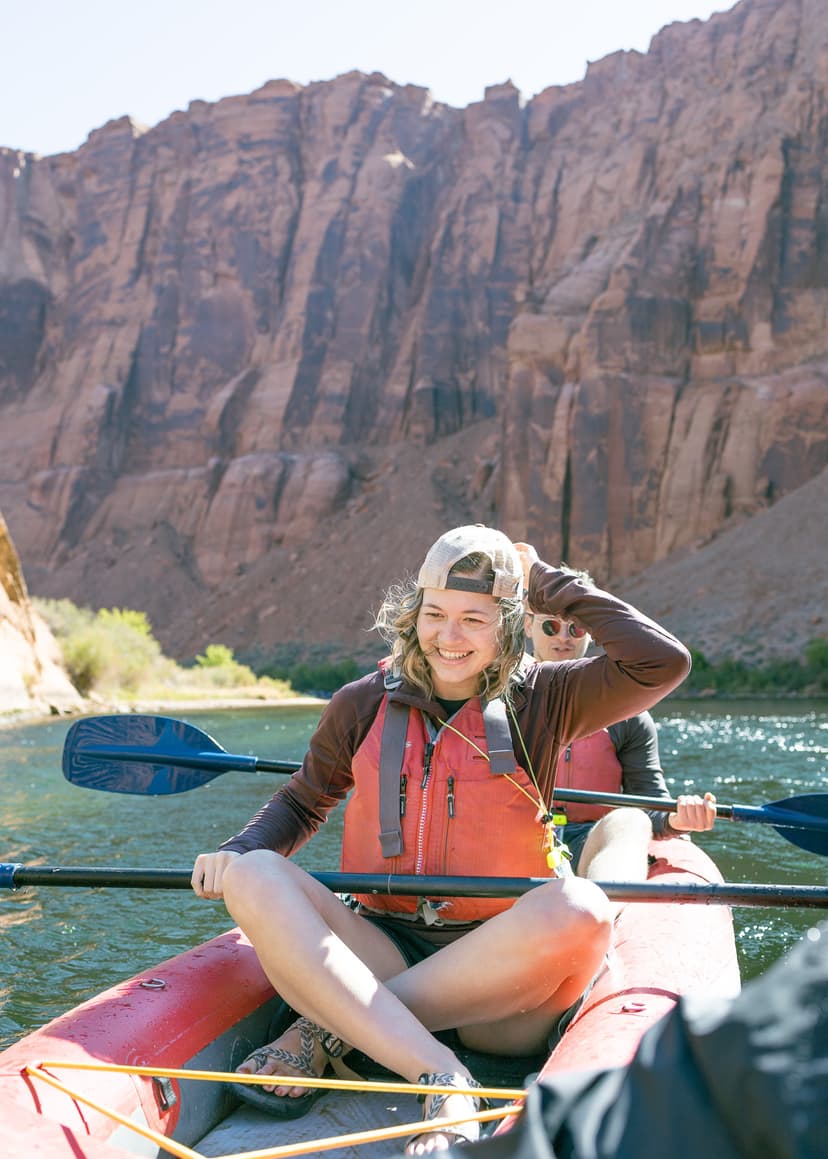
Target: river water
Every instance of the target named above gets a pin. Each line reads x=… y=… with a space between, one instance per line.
x=59 y=946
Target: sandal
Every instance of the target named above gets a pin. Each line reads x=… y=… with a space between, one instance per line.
x=290 y=1106
x=462 y=1132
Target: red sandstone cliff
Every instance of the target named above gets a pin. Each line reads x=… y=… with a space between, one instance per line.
x=254 y=359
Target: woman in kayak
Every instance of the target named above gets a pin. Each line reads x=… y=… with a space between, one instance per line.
x=448 y=753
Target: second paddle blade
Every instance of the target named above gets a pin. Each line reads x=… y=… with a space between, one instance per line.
x=810 y=811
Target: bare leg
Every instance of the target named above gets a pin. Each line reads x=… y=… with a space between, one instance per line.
x=504 y=983
x=306 y=942
x=616 y=848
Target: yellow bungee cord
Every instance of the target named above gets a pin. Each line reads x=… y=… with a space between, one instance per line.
x=512 y=1096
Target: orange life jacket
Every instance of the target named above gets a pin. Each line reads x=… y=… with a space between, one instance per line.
x=589 y=763
x=456 y=816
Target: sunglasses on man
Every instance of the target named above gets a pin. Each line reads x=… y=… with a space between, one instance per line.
x=553 y=627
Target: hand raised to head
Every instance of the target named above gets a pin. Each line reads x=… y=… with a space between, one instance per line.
x=528 y=556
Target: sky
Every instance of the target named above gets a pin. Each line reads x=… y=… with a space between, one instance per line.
x=69 y=66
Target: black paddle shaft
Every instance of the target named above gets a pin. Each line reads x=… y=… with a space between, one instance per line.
x=14 y=876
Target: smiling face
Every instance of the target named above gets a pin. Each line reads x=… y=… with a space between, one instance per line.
x=457 y=632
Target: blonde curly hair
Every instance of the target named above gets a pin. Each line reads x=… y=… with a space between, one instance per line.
x=396 y=621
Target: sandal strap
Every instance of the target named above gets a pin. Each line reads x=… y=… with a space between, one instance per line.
x=330 y=1043
x=309 y=1035
x=303 y=1061
x=333 y=1047
x=445 y=1079
x=436 y=1079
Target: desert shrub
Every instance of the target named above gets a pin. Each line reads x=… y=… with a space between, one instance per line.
x=114 y=652
x=816 y=656
x=220 y=667
x=63 y=617
x=84 y=658
x=134 y=651
x=109 y=650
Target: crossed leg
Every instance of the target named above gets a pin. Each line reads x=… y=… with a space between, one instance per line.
x=502 y=985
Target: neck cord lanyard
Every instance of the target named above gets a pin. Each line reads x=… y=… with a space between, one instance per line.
x=556 y=850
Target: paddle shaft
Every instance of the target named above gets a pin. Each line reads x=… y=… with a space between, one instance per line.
x=223 y=762
x=211 y=761
x=763 y=814
x=14 y=876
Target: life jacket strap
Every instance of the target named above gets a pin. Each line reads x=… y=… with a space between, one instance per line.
x=498 y=738
x=392 y=754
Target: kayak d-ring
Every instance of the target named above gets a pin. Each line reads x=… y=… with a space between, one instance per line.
x=153 y=984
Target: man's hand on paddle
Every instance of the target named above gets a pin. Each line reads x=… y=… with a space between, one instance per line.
x=693 y=814
x=208 y=873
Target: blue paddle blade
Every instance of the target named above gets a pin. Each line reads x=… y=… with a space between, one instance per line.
x=115 y=754
x=802 y=820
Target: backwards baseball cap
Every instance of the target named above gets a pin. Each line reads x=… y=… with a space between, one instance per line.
x=505 y=579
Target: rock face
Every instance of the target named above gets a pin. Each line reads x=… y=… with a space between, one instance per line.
x=32 y=678
x=222 y=340
x=761 y=588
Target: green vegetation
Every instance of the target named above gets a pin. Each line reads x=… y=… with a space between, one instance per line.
x=808 y=676
x=316 y=678
x=223 y=669
x=317 y=669
x=113 y=654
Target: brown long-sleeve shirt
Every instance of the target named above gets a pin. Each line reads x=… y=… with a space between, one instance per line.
x=553 y=705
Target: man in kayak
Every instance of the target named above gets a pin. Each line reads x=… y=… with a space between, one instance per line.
x=605 y=844
x=447 y=755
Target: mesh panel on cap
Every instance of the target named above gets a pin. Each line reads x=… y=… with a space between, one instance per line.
x=462 y=541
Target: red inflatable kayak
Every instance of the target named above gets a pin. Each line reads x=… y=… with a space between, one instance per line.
x=206 y=1009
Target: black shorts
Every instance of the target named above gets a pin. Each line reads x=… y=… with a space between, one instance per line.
x=415 y=948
